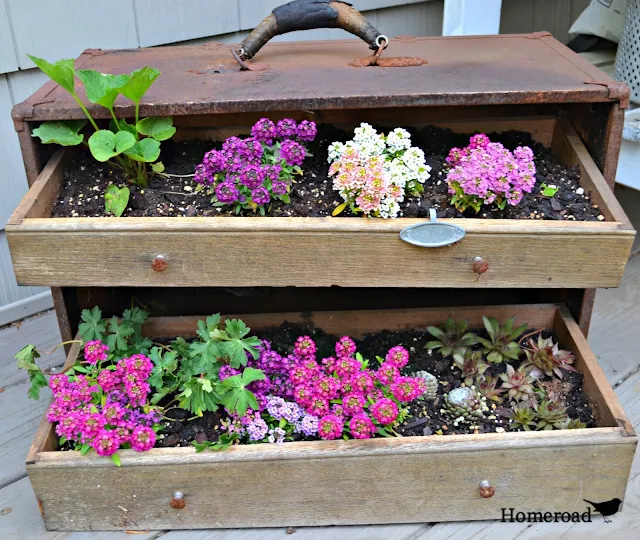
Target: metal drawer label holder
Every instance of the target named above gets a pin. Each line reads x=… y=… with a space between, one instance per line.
x=433 y=233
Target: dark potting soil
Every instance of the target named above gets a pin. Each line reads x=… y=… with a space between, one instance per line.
x=425 y=417
x=86 y=180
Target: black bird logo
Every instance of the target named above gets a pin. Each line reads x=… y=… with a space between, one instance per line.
x=607 y=508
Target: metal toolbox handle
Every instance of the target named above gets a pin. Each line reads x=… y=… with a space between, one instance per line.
x=432 y=233
x=307 y=15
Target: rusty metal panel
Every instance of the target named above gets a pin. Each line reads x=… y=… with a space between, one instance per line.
x=474 y=70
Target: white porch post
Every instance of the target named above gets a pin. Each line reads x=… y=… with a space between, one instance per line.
x=471 y=17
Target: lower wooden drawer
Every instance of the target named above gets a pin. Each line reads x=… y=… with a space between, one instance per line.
x=399 y=480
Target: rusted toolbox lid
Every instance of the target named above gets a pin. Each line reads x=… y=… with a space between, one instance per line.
x=473 y=70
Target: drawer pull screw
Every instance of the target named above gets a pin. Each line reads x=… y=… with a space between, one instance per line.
x=178 y=501
x=159 y=263
x=480 y=266
x=486 y=490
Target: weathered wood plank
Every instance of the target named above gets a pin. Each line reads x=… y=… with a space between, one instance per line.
x=20 y=414
x=40 y=331
x=164 y=21
x=616 y=312
x=10 y=292
x=20 y=417
x=331 y=490
x=126 y=257
x=357 y=323
x=373 y=532
x=602 y=398
x=20 y=519
x=98 y=25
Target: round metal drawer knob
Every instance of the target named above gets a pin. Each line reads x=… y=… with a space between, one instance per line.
x=159 y=263
x=486 y=490
x=480 y=266
x=178 y=501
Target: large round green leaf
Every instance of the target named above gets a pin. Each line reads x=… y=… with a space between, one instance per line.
x=146 y=150
x=62 y=133
x=157 y=128
x=105 y=144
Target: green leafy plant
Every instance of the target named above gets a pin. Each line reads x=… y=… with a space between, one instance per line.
x=549 y=191
x=122 y=335
x=238 y=398
x=452 y=339
x=225 y=441
x=26 y=360
x=191 y=370
x=129 y=147
x=501 y=345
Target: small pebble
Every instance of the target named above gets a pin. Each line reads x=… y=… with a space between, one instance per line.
x=580 y=191
x=601 y=217
x=499 y=430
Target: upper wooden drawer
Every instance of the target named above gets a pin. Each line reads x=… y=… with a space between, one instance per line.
x=269 y=251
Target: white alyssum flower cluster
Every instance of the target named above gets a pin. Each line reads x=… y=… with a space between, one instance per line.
x=404 y=165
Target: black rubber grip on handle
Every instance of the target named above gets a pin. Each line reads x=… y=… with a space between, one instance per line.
x=308 y=15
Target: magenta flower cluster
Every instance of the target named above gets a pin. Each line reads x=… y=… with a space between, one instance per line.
x=250 y=173
x=108 y=411
x=329 y=397
x=95 y=351
x=487 y=173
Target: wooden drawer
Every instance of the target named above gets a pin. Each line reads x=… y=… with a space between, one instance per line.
x=321 y=252
x=398 y=480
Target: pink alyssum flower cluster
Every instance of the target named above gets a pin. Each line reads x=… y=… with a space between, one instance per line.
x=249 y=173
x=105 y=409
x=487 y=173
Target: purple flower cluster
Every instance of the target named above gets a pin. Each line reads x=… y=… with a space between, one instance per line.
x=250 y=173
x=486 y=172
x=107 y=411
